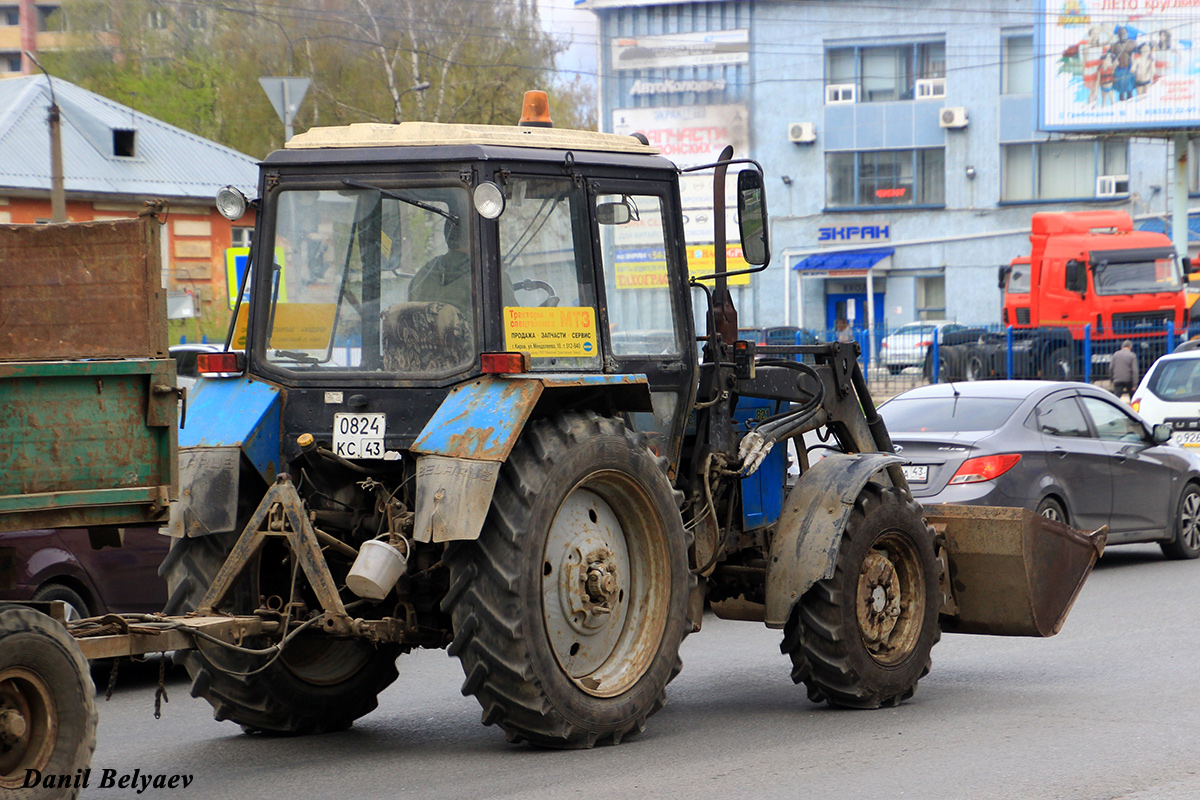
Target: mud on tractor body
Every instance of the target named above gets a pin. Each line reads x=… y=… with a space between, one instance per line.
x=471 y=411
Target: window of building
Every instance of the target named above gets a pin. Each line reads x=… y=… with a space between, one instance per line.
x=10 y=15
x=1060 y=169
x=931 y=297
x=10 y=62
x=1016 y=69
x=240 y=236
x=156 y=18
x=885 y=73
x=886 y=178
x=49 y=18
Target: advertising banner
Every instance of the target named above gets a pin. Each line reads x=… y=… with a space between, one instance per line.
x=701 y=49
x=688 y=135
x=1118 y=64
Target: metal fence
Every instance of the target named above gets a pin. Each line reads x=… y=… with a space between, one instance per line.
x=901 y=358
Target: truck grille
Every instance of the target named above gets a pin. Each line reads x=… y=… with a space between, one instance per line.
x=1141 y=322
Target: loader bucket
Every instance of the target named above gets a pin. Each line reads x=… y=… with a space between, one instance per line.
x=1011 y=572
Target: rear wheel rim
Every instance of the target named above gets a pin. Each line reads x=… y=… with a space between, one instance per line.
x=1052 y=512
x=606 y=588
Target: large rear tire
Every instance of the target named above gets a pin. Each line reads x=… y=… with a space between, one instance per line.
x=862 y=639
x=47 y=705
x=319 y=684
x=570 y=608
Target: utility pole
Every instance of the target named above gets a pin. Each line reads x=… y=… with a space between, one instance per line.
x=58 y=194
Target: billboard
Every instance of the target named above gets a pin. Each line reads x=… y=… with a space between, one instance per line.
x=701 y=49
x=1118 y=64
x=688 y=135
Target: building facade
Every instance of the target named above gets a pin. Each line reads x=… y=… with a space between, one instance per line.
x=900 y=144
x=114 y=160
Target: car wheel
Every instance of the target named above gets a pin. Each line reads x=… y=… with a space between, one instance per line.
x=895 y=369
x=77 y=607
x=1052 y=509
x=1186 y=543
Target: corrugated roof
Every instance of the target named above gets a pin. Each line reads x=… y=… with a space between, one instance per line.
x=166 y=162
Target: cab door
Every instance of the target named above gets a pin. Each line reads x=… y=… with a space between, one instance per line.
x=645 y=313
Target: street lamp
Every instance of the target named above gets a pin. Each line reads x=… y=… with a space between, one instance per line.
x=416 y=87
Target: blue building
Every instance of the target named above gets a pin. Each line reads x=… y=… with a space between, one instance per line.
x=899 y=141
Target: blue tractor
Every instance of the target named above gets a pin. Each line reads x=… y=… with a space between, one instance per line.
x=466 y=406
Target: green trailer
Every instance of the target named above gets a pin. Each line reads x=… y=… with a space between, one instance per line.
x=88 y=402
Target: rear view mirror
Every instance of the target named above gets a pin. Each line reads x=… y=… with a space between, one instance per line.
x=1076 y=277
x=752 y=217
x=1188 y=267
x=613 y=213
x=1161 y=433
x=1007 y=268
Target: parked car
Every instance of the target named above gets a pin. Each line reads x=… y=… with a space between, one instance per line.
x=61 y=564
x=908 y=344
x=1069 y=451
x=1170 y=393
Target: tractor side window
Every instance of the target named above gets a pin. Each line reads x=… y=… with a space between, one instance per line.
x=636 y=279
x=547 y=290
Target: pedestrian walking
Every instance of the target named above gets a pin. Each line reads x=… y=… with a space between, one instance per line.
x=1124 y=367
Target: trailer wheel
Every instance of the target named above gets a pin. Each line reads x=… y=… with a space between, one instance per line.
x=973 y=369
x=862 y=639
x=47 y=704
x=1186 y=542
x=319 y=684
x=569 y=610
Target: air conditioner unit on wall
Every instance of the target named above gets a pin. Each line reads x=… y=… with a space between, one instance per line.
x=930 y=88
x=953 y=117
x=841 y=93
x=1112 y=185
x=802 y=133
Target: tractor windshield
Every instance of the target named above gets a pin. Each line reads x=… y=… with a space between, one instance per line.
x=372 y=278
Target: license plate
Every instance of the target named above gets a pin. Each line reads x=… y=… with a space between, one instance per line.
x=1188 y=438
x=359 y=435
x=915 y=474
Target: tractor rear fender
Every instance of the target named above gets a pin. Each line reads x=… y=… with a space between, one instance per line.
x=461 y=449
x=809 y=533
x=234 y=424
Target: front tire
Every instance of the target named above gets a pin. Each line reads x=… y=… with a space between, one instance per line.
x=1186 y=544
x=47 y=704
x=318 y=685
x=570 y=608
x=862 y=639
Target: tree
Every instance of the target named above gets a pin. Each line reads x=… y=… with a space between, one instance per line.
x=196 y=64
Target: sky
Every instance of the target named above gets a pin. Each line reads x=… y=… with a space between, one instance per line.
x=564 y=21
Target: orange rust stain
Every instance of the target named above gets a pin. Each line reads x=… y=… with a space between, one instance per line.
x=469 y=442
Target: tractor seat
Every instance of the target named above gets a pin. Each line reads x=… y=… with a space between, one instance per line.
x=425 y=337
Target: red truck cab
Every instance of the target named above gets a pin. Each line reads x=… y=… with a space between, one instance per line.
x=1092 y=267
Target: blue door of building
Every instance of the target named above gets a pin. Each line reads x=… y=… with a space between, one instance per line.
x=837 y=306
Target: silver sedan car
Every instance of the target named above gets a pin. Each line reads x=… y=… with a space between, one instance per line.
x=1069 y=451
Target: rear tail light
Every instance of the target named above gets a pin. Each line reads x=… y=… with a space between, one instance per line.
x=504 y=363
x=985 y=468
x=1136 y=405
x=216 y=364
x=925 y=343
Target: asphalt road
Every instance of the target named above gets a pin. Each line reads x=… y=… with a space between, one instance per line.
x=1109 y=708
